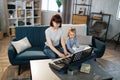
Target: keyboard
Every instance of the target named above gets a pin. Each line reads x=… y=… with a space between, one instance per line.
x=60 y=64
x=57 y=67
x=63 y=61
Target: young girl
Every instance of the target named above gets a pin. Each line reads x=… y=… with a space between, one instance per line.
x=54 y=39
x=72 y=41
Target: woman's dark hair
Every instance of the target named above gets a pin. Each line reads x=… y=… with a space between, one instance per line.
x=57 y=18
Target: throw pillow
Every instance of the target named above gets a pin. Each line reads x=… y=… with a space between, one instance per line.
x=85 y=40
x=21 y=45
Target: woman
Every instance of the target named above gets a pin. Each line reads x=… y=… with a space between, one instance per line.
x=55 y=44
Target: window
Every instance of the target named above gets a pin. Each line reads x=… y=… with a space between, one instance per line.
x=50 y=5
x=118 y=12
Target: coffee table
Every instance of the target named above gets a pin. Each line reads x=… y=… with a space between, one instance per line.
x=40 y=70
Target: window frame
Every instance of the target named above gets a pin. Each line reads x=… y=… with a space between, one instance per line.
x=49 y=9
x=118 y=12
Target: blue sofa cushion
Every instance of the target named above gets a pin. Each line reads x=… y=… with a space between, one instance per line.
x=31 y=54
x=36 y=35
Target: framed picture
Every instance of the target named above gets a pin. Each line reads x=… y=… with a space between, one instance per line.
x=82 y=11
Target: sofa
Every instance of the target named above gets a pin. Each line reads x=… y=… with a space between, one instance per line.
x=36 y=36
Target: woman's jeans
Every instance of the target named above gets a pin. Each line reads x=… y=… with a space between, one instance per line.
x=52 y=54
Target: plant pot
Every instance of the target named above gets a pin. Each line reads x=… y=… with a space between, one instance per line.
x=59 y=10
x=70 y=72
x=1 y=35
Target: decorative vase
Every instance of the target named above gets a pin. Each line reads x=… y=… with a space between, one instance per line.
x=11 y=13
x=19 y=12
x=59 y=10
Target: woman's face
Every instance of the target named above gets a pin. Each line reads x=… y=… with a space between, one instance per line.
x=56 y=25
x=71 y=35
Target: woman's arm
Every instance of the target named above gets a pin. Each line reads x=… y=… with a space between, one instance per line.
x=54 y=49
x=64 y=47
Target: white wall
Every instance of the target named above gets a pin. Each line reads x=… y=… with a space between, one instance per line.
x=46 y=16
x=110 y=7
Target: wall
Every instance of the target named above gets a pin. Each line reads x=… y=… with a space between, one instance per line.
x=107 y=6
x=110 y=7
x=2 y=11
x=46 y=16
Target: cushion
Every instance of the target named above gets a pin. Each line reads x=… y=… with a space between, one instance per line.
x=84 y=40
x=81 y=29
x=35 y=52
x=21 y=45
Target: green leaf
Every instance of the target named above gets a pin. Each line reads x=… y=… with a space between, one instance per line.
x=59 y=3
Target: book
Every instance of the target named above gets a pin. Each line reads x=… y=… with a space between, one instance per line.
x=81 y=48
x=85 y=68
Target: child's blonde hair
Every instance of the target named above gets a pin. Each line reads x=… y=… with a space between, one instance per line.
x=72 y=30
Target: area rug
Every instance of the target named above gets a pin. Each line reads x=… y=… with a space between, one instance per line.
x=11 y=73
x=19 y=79
x=110 y=67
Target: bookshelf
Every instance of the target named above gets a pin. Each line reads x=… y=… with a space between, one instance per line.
x=81 y=11
x=99 y=24
x=23 y=13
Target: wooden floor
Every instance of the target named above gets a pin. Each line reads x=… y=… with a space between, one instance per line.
x=4 y=61
x=110 y=61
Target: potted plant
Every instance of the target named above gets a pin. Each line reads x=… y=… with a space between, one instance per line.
x=59 y=3
x=1 y=31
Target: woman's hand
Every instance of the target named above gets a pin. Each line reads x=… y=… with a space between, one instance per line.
x=61 y=55
x=66 y=53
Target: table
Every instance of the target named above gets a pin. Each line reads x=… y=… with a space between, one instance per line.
x=40 y=70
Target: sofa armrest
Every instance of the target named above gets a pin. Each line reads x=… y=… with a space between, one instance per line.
x=99 y=47
x=12 y=54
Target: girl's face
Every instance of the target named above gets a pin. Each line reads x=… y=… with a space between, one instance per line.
x=56 y=25
x=71 y=35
